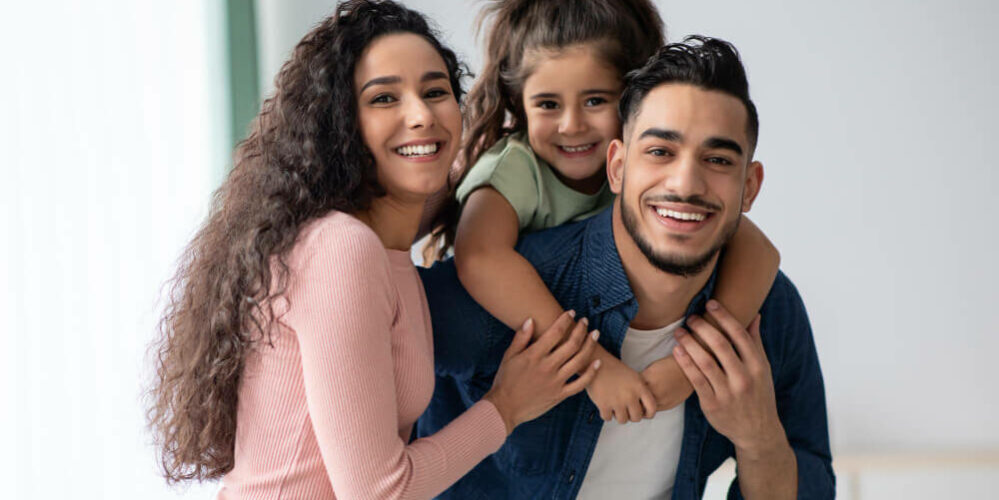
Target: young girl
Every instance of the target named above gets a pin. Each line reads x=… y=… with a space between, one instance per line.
x=539 y=121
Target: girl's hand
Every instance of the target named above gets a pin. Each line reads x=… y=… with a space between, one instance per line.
x=620 y=393
x=668 y=383
x=534 y=376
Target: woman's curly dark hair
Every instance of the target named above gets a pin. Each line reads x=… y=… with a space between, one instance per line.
x=303 y=158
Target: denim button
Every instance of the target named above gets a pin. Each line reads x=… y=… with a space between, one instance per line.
x=595 y=301
x=572 y=476
x=591 y=417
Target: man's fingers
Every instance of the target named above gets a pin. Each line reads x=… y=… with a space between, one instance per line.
x=705 y=363
x=693 y=374
x=717 y=342
x=742 y=340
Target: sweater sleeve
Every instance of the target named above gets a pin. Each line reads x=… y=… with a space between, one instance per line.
x=342 y=307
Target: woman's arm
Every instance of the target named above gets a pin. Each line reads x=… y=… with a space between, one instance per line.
x=342 y=306
x=506 y=285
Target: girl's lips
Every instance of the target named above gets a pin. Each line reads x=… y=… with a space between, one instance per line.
x=577 y=152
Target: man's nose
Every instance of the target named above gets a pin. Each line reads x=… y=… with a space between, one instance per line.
x=685 y=177
x=418 y=114
x=572 y=122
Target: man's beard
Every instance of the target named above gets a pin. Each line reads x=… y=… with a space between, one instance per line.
x=674 y=264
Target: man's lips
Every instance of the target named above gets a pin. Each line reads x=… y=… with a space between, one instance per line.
x=684 y=219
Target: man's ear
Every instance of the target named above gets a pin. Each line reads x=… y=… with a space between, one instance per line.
x=615 y=165
x=754 y=180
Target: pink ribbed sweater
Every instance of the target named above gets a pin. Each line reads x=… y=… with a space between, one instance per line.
x=327 y=411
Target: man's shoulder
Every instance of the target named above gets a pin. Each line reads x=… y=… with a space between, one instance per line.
x=553 y=246
x=784 y=325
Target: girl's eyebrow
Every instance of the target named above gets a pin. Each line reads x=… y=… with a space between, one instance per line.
x=552 y=95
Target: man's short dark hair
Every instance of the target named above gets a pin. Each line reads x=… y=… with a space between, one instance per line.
x=707 y=63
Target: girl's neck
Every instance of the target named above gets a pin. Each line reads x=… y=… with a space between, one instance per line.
x=589 y=185
x=395 y=222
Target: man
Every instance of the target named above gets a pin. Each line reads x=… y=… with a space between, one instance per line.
x=683 y=174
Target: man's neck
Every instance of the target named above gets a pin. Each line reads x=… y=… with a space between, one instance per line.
x=662 y=297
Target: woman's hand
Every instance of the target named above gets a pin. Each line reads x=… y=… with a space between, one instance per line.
x=534 y=377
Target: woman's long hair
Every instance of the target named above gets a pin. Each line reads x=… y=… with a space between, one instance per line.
x=626 y=33
x=303 y=158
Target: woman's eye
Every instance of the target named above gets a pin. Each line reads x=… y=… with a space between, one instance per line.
x=383 y=99
x=595 y=101
x=547 y=105
x=434 y=93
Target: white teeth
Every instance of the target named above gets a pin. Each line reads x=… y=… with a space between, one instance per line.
x=419 y=150
x=673 y=214
x=576 y=149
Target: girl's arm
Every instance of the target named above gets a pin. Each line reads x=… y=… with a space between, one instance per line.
x=507 y=286
x=744 y=279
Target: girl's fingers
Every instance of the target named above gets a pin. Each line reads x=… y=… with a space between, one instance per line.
x=648 y=402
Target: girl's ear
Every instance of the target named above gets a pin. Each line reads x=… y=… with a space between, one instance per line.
x=615 y=165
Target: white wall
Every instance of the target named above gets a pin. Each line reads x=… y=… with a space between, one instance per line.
x=878 y=124
x=113 y=133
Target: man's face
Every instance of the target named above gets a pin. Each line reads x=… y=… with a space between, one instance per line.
x=684 y=175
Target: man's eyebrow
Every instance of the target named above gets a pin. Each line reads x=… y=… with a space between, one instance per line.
x=661 y=133
x=381 y=80
x=723 y=143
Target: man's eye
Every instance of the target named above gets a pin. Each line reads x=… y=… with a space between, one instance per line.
x=659 y=152
x=717 y=160
x=548 y=105
x=595 y=101
x=383 y=99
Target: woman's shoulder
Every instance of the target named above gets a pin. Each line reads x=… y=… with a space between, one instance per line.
x=339 y=237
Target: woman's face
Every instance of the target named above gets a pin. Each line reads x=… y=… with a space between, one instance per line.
x=408 y=115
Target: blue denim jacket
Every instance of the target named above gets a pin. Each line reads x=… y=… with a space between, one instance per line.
x=548 y=457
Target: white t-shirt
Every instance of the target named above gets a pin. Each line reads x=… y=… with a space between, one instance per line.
x=638 y=459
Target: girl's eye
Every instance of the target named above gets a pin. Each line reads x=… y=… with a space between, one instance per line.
x=547 y=105
x=434 y=93
x=595 y=101
x=383 y=99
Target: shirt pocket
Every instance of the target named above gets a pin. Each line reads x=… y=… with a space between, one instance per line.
x=532 y=448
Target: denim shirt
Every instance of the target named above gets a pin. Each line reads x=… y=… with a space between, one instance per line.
x=548 y=457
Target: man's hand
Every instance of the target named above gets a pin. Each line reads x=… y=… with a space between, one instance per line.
x=737 y=398
x=620 y=392
x=669 y=385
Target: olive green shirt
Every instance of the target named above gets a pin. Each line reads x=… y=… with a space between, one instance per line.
x=528 y=183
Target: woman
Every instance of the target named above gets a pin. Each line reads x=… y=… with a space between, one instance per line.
x=296 y=352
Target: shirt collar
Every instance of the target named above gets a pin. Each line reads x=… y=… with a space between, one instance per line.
x=605 y=283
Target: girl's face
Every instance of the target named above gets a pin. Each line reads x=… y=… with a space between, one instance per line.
x=570 y=100
x=408 y=115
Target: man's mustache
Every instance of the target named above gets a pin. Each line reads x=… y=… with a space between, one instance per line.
x=694 y=200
